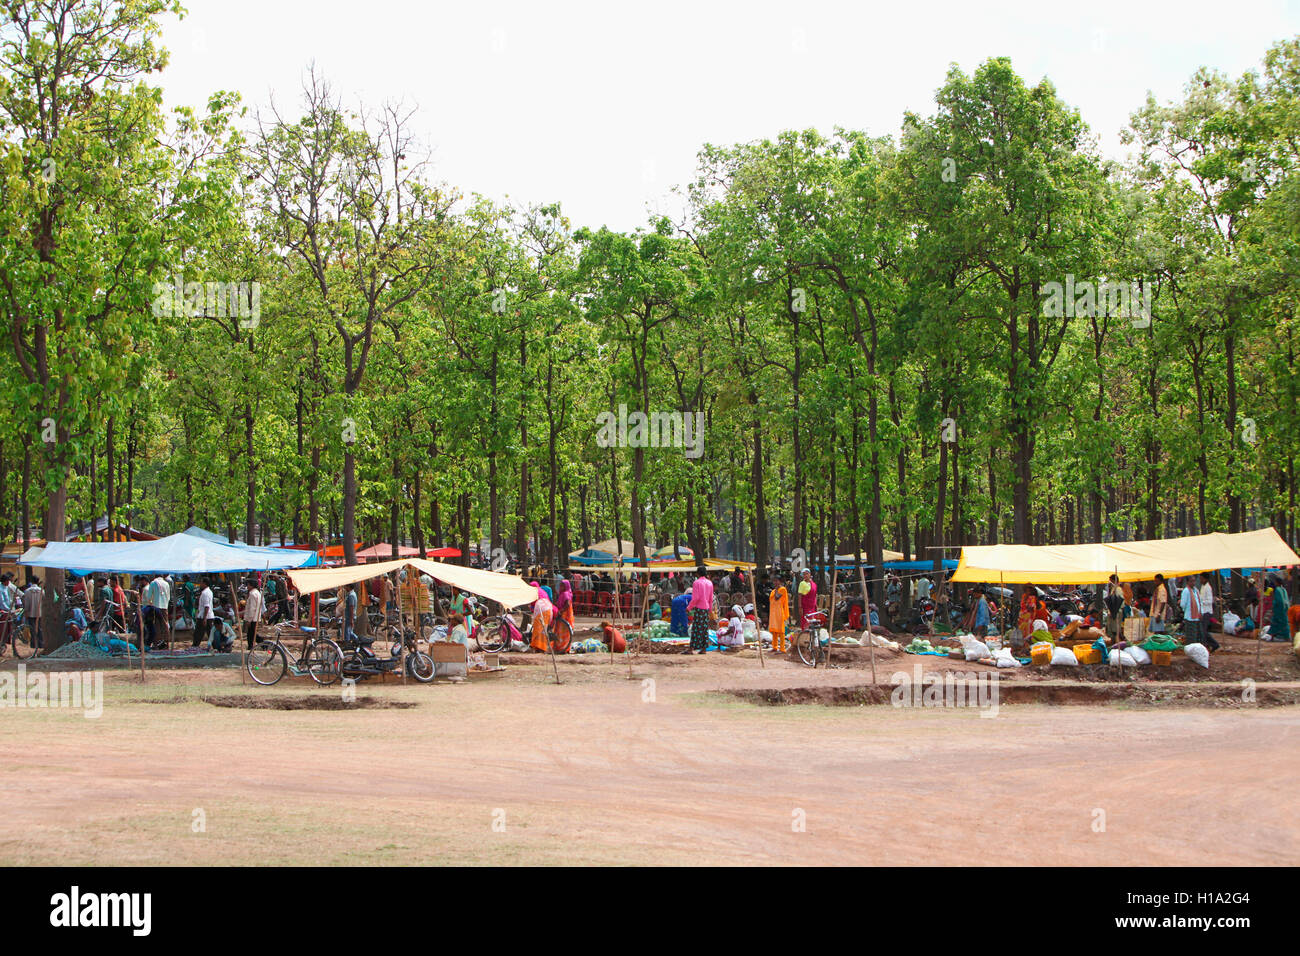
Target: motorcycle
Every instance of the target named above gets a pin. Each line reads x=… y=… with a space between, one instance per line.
x=359 y=661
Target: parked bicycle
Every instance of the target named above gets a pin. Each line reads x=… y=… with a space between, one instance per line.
x=319 y=657
x=808 y=640
x=19 y=641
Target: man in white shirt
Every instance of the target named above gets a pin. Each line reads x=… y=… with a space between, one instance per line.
x=923 y=589
x=1207 y=602
x=33 y=604
x=252 y=612
x=203 y=615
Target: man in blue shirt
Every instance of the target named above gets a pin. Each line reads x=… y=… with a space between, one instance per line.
x=981 y=613
x=6 y=610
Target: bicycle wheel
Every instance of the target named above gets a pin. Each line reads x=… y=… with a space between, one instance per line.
x=267 y=663
x=561 y=636
x=324 y=662
x=22 y=644
x=420 y=666
x=492 y=638
x=805 y=642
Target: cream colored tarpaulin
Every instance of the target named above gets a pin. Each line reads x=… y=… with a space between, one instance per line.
x=1131 y=560
x=508 y=590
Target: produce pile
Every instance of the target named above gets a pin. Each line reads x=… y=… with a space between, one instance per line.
x=77 y=650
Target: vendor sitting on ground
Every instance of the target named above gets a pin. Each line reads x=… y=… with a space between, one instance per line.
x=654 y=612
x=458 y=633
x=731 y=631
x=612 y=637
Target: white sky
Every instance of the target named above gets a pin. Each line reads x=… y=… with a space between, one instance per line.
x=603 y=105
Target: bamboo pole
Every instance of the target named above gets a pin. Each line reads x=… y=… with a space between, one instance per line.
x=618 y=600
x=753 y=599
x=871 y=636
x=830 y=629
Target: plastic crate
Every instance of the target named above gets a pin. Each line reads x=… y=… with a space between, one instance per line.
x=1162 y=658
x=1087 y=654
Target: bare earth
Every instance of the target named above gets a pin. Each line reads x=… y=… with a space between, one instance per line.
x=656 y=769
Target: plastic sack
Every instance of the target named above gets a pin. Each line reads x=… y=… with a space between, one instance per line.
x=1064 y=656
x=1004 y=658
x=975 y=650
x=1198 y=654
x=1139 y=655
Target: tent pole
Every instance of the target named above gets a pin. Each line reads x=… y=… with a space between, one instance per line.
x=618 y=598
x=830 y=630
x=871 y=636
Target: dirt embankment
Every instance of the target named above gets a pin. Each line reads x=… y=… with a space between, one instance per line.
x=1202 y=694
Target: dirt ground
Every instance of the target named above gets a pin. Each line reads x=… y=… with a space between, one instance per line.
x=665 y=766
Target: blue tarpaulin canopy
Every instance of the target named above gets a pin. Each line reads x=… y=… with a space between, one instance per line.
x=949 y=563
x=176 y=554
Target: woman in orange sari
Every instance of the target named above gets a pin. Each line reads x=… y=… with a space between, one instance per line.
x=778 y=613
x=542 y=613
x=1028 y=608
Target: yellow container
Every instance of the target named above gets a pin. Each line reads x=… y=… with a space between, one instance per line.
x=1087 y=654
x=1041 y=655
x=1162 y=658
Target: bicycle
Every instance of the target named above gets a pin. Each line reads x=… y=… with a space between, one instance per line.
x=320 y=658
x=19 y=628
x=812 y=648
x=495 y=637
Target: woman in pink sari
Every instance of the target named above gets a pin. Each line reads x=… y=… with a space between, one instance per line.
x=807 y=597
x=699 y=609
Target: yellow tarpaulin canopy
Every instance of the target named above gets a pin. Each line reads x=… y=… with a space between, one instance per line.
x=1131 y=560
x=508 y=590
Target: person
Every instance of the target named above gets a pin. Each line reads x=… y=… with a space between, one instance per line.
x=612 y=637
x=725 y=583
x=1194 y=631
x=459 y=633
x=6 y=610
x=734 y=635
x=253 y=608
x=33 y=604
x=1252 y=597
x=654 y=612
x=119 y=598
x=699 y=609
x=151 y=601
x=807 y=597
x=543 y=610
x=923 y=589
x=1207 y=603
x=1279 y=621
x=564 y=602
x=1159 y=606
x=981 y=628
x=1114 y=607
x=679 y=616
x=777 y=615
x=204 y=618
x=1028 y=609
